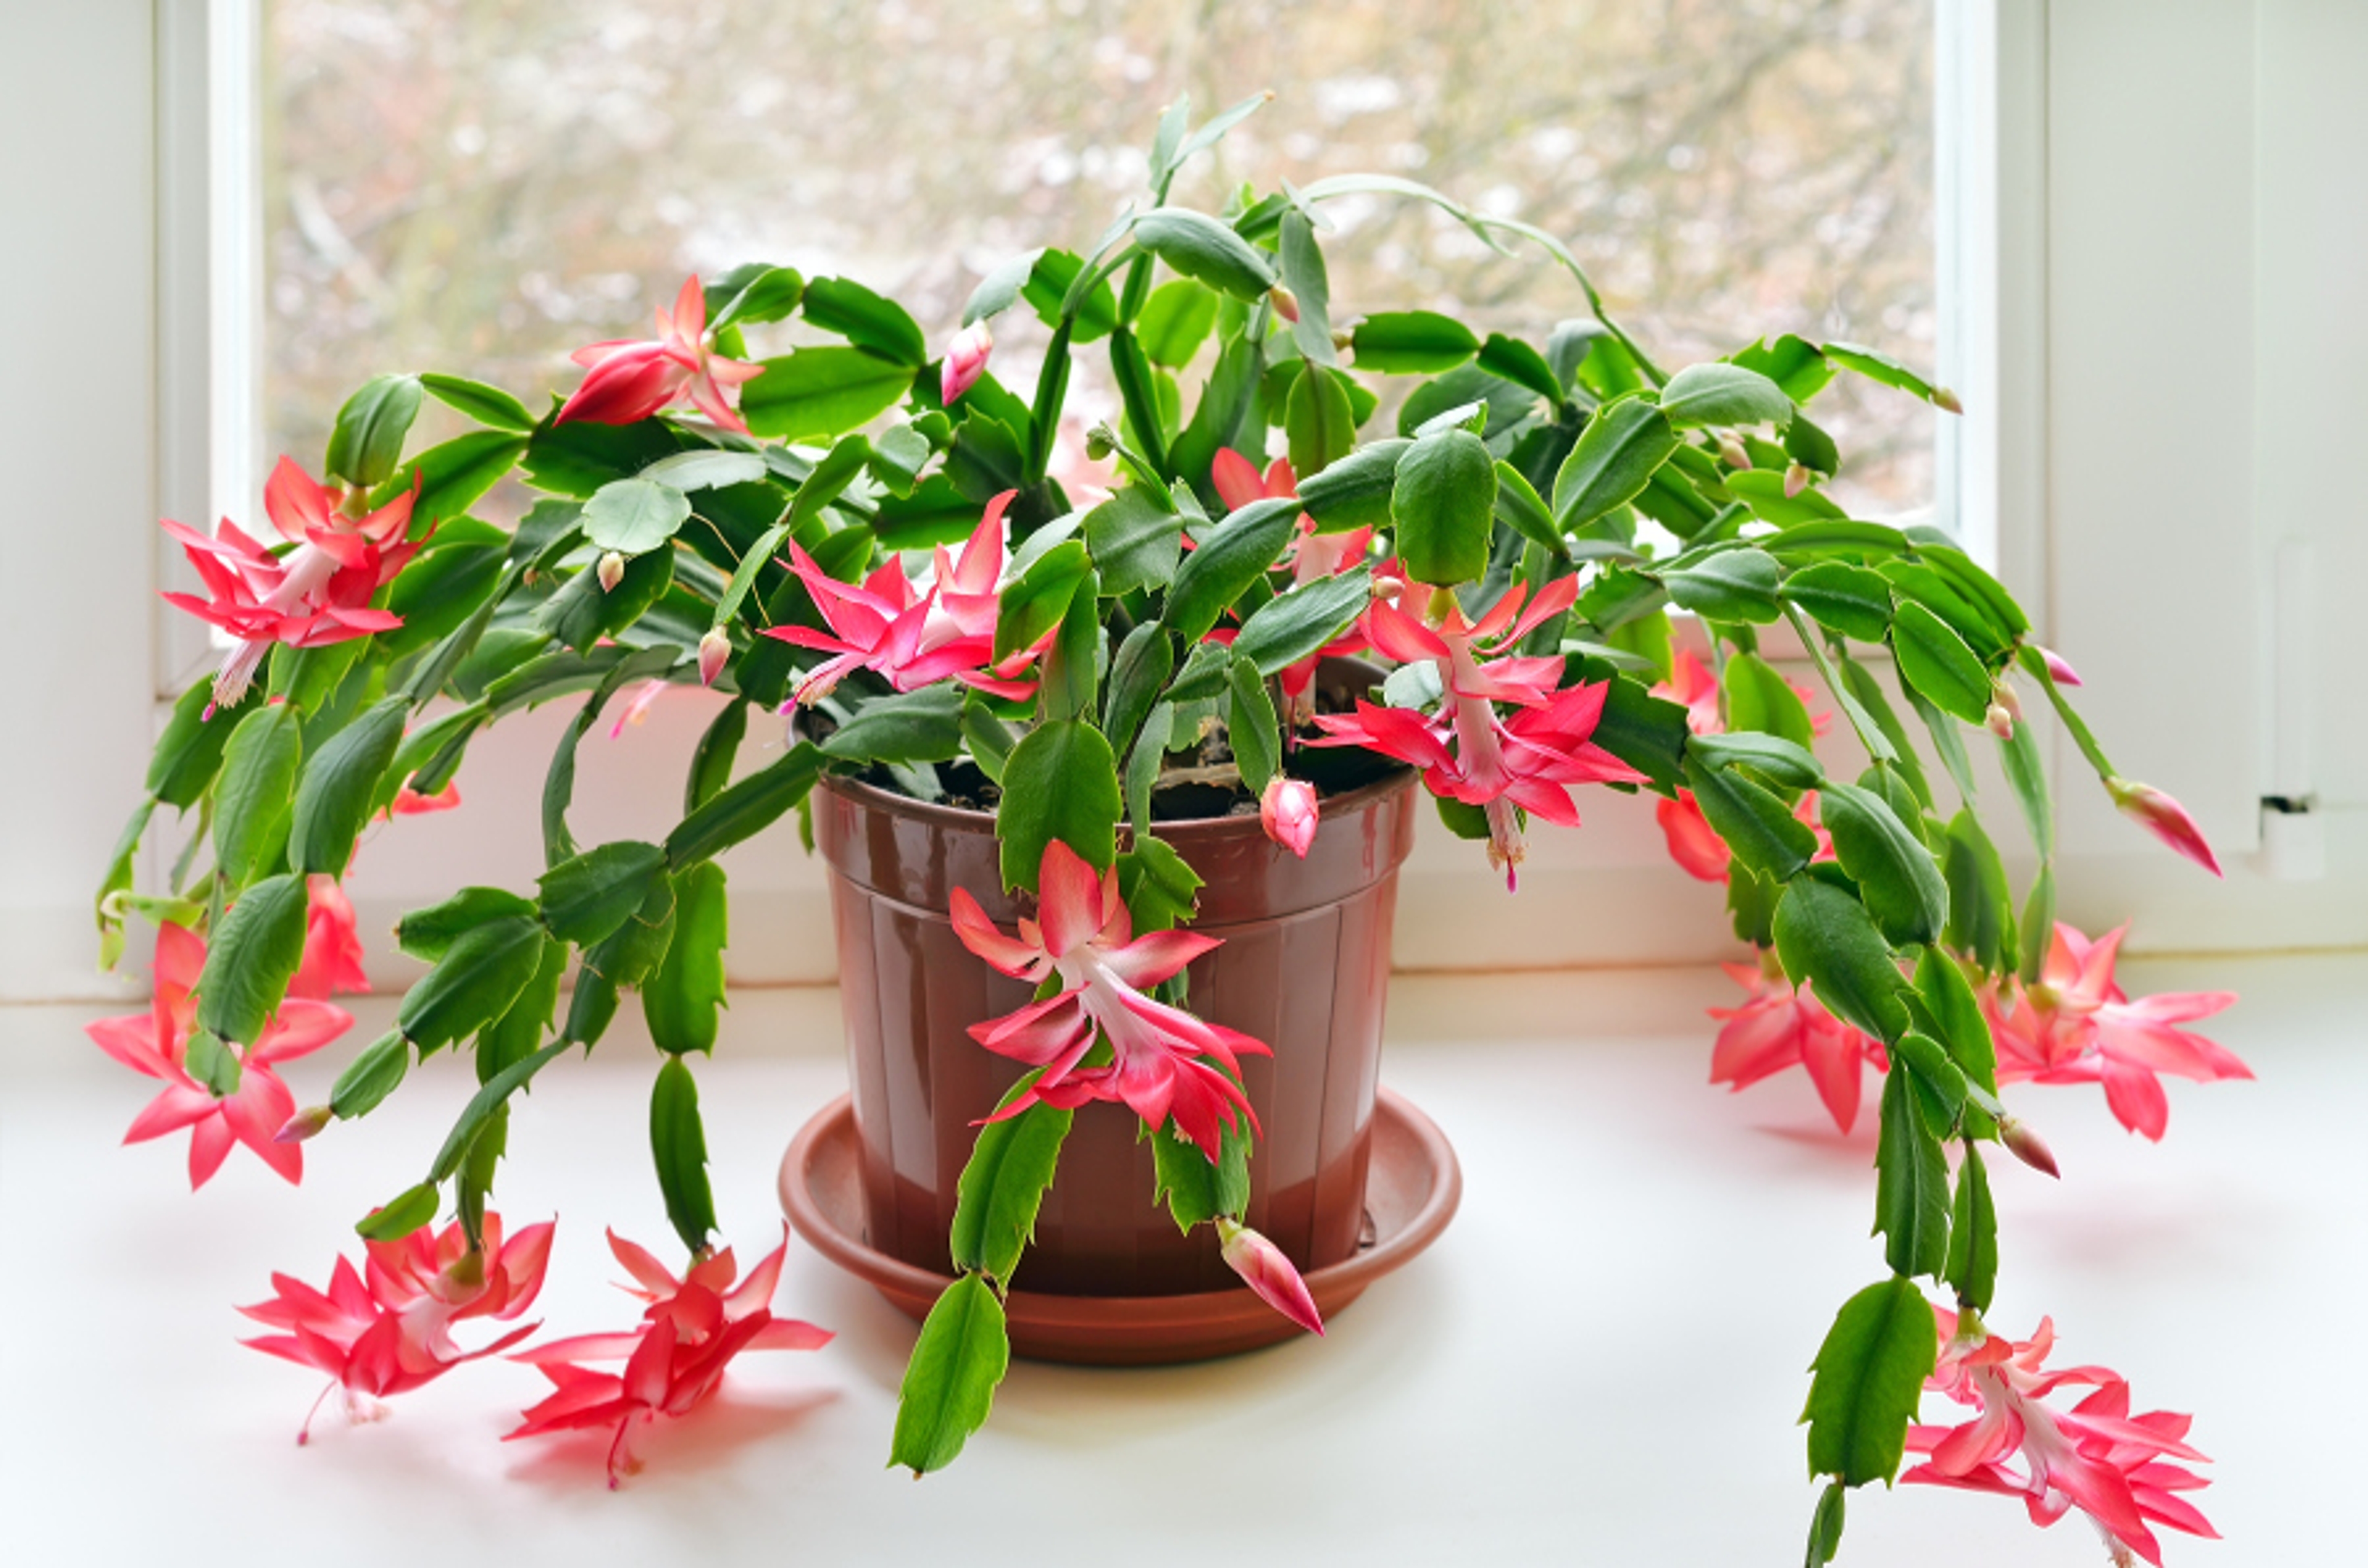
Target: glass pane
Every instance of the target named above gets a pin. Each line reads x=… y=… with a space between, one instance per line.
x=482 y=186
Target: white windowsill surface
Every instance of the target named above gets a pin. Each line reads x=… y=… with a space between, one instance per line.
x=1600 y=1362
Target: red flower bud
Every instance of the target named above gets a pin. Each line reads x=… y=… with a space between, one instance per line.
x=713 y=650
x=2027 y=1146
x=1263 y=1268
x=2165 y=818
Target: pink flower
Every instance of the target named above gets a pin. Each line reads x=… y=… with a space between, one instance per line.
x=1780 y=1027
x=1313 y=556
x=391 y=1332
x=1164 y=1061
x=316 y=595
x=156 y=1043
x=965 y=362
x=1288 y=811
x=2096 y=1456
x=1698 y=851
x=913 y=640
x=630 y=381
x=2076 y=1026
x=2165 y=818
x=1467 y=752
x=674 y=1360
x=333 y=949
x=1264 y=1269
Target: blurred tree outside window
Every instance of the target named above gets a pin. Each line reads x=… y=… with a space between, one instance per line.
x=482 y=186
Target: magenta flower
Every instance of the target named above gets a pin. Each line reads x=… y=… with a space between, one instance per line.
x=333 y=949
x=1780 y=1026
x=1467 y=752
x=1288 y=810
x=2165 y=818
x=2076 y=1026
x=391 y=1333
x=1266 y=1270
x=316 y=594
x=914 y=640
x=674 y=1360
x=156 y=1043
x=965 y=362
x=2096 y=1456
x=1164 y=1061
x=631 y=379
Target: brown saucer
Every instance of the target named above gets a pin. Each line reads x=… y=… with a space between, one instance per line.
x=1411 y=1191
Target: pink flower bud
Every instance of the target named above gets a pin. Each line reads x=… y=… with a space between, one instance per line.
x=2059 y=668
x=1732 y=450
x=1288 y=811
x=1796 y=479
x=612 y=572
x=713 y=650
x=1943 y=397
x=2027 y=1146
x=1286 y=303
x=965 y=361
x=1263 y=1268
x=2165 y=818
x=305 y=1123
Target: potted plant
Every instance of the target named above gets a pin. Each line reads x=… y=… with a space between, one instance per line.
x=1066 y=752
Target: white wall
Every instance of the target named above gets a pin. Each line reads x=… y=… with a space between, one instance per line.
x=77 y=445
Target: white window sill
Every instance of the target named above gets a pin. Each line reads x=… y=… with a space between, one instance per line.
x=1601 y=1361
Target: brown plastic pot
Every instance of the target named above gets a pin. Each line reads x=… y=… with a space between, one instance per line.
x=1304 y=967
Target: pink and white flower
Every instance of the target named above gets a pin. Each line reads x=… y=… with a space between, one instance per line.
x=156 y=1043
x=2165 y=818
x=913 y=639
x=965 y=362
x=1288 y=810
x=2076 y=1026
x=1265 y=1269
x=1780 y=1027
x=314 y=594
x=674 y=1360
x=1467 y=752
x=2097 y=1457
x=1164 y=1061
x=631 y=379
x=391 y=1332
x=1312 y=556
x=333 y=948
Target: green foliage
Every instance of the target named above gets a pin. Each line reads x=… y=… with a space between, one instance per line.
x=1231 y=557
x=678 y=1147
x=474 y=983
x=1911 y=1197
x=950 y=1383
x=1826 y=936
x=333 y=792
x=683 y=998
x=252 y=799
x=1869 y=1379
x=1613 y=460
x=1061 y=782
x=369 y=1077
x=1973 y=1260
x=1003 y=1184
x=1412 y=343
x=254 y=953
x=366 y=441
x=1444 y=507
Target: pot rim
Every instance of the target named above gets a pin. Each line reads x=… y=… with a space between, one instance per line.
x=966 y=819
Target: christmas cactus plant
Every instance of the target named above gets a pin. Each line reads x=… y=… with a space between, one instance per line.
x=898 y=555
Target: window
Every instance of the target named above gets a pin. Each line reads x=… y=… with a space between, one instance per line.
x=484 y=186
